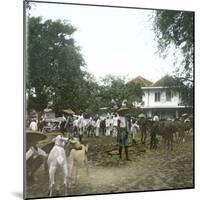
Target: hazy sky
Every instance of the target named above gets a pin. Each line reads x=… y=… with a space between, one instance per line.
x=113 y=41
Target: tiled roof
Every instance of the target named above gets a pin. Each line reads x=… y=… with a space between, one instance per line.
x=165 y=81
x=142 y=81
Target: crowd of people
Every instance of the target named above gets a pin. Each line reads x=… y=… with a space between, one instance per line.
x=90 y=126
x=120 y=125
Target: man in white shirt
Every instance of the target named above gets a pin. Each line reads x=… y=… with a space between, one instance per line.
x=33 y=125
x=108 y=126
x=111 y=124
x=115 y=125
x=97 y=127
x=80 y=127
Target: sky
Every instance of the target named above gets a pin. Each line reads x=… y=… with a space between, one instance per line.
x=114 y=41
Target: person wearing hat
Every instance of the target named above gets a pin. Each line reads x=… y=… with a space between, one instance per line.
x=122 y=136
x=34 y=156
x=33 y=125
x=155 y=118
x=97 y=126
x=108 y=125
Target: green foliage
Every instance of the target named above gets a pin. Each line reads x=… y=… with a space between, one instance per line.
x=54 y=64
x=134 y=92
x=88 y=95
x=186 y=91
x=113 y=88
x=175 y=28
x=117 y=89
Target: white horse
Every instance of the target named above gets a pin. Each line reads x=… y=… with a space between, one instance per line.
x=57 y=160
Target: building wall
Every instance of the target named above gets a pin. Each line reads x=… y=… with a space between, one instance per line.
x=149 y=98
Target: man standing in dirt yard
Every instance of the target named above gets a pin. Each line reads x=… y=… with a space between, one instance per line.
x=122 y=137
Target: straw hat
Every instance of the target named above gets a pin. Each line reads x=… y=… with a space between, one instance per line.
x=122 y=109
x=32 y=137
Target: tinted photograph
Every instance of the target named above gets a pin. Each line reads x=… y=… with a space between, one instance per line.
x=108 y=99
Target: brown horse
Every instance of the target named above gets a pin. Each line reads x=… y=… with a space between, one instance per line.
x=167 y=130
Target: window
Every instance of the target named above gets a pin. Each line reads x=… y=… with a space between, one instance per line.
x=168 y=96
x=157 y=96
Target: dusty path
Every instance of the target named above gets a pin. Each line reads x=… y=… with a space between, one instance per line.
x=147 y=170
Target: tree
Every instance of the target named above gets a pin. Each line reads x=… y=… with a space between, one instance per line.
x=54 y=64
x=134 y=92
x=117 y=89
x=88 y=97
x=176 y=29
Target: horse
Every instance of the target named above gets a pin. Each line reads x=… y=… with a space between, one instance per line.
x=167 y=129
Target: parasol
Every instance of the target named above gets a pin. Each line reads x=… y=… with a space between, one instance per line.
x=184 y=115
x=123 y=109
x=141 y=115
x=69 y=111
x=104 y=108
x=53 y=120
x=187 y=120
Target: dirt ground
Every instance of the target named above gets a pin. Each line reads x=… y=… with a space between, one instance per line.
x=148 y=169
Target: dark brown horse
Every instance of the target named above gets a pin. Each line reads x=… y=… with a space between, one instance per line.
x=167 y=130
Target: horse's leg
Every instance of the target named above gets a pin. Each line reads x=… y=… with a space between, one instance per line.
x=86 y=165
x=142 y=137
x=154 y=142
x=172 y=143
x=71 y=163
x=65 y=170
x=168 y=142
x=52 y=171
x=176 y=137
x=179 y=136
x=76 y=173
x=165 y=142
x=151 y=142
x=145 y=136
x=184 y=133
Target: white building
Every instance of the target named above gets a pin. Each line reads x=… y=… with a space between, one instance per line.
x=158 y=99
x=162 y=102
